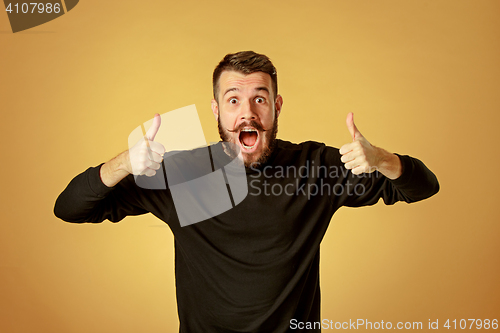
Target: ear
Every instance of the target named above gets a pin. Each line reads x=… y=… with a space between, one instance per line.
x=278 y=104
x=215 y=109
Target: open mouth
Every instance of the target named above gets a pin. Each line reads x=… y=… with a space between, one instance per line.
x=249 y=137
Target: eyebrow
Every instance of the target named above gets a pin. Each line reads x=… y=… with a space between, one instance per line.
x=237 y=89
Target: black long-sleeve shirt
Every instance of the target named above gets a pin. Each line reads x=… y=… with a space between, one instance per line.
x=255 y=267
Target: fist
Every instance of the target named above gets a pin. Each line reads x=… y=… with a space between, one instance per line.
x=146 y=155
x=359 y=156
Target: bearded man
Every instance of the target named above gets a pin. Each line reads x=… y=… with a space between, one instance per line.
x=255 y=267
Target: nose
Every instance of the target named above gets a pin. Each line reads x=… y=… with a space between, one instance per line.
x=247 y=111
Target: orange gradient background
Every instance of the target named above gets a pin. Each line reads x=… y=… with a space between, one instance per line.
x=422 y=78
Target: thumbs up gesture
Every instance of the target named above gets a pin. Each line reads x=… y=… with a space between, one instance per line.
x=146 y=155
x=359 y=156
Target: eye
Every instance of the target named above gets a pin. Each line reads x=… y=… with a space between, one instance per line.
x=233 y=101
x=260 y=100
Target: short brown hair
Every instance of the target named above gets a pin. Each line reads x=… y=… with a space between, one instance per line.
x=245 y=62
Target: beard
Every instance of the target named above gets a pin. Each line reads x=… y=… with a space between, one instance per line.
x=270 y=135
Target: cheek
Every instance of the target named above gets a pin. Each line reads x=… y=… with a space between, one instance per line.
x=226 y=121
x=269 y=118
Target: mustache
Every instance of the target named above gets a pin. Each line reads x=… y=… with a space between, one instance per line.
x=251 y=123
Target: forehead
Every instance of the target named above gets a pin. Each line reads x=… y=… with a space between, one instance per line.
x=232 y=79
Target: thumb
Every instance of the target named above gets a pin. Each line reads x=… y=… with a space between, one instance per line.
x=355 y=133
x=151 y=133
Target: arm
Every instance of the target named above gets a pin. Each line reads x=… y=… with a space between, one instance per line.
x=415 y=183
x=89 y=197
x=398 y=178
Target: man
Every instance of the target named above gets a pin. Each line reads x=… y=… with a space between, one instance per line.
x=255 y=267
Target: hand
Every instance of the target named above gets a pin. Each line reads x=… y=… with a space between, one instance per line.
x=146 y=156
x=359 y=156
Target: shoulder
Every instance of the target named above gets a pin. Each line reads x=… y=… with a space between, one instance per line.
x=306 y=150
x=306 y=146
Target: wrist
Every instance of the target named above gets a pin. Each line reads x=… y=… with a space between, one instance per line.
x=123 y=163
x=390 y=164
x=115 y=170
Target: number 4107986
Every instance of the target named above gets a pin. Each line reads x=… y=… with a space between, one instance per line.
x=39 y=6
x=485 y=323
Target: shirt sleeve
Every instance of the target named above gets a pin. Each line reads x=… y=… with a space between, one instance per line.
x=88 y=199
x=416 y=183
